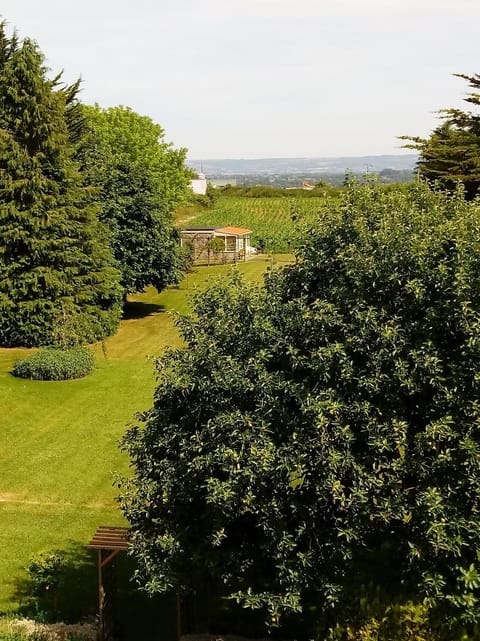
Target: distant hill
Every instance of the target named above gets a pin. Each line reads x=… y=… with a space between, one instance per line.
x=303 y=166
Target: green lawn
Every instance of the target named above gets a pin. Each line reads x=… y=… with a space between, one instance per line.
x=58 y=441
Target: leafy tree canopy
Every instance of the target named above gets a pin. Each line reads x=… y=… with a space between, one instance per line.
x=317 y=441
x=55 y=262
x=140 y=180
x=452 y=152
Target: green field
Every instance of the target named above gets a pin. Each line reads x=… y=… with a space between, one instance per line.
x=58 y=441
x=270 y=219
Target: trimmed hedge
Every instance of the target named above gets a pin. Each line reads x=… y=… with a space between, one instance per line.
x=53 y=364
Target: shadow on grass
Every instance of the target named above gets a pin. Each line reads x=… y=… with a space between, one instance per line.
x=76 y=596
x=135 y=309
x=131 y=614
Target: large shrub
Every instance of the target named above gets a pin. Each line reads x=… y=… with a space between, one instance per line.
x=316 y=444
x=54 y=364
x=45 y=572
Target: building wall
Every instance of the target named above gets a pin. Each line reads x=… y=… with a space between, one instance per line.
x=198 y=240
x=199 y=186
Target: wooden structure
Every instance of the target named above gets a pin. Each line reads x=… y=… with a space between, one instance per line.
x=234 y=243
x=108 y=541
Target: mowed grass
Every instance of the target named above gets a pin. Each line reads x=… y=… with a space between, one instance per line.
x=59 y=440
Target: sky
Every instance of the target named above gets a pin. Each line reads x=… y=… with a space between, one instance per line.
x=264 y=78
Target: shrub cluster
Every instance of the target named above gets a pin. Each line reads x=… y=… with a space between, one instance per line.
x=45 y=571
x=397 y=622
x=53 y=364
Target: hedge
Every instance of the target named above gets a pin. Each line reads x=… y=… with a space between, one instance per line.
x=53 y=364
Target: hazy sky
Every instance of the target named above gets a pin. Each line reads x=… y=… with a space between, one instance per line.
x=263 y=78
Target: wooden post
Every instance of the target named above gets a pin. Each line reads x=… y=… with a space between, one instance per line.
x=101 y=598
x=179 y=617
x=109 y=540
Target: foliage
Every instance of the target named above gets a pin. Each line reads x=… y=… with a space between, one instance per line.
x=205 y=200
x=317 y=442
x=18 y=635
x=452 y=152
x=140 y=180
x=187 y=256
x=68 y=330
x=53 y=252
x=46 y=580
x=33 y=630
x=52 y=364
x=45 y=572
x=408 y=622
x=217 y=246
x=201 y=201
x=212 y=195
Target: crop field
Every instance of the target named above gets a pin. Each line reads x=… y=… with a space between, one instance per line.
x=59 y=440
x=270 y=219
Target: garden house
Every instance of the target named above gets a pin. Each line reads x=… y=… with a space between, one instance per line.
x=227 y=244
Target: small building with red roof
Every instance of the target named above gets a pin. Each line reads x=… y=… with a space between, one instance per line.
x=222 y=244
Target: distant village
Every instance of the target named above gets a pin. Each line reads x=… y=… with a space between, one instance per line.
x=200 y=183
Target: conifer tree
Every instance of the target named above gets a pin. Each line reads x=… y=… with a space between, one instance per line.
x=55 y=265
x=452 y=152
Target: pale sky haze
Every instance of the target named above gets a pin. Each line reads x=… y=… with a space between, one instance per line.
x=264 y=78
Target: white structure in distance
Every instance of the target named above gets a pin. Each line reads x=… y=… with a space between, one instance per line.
x=199 y=184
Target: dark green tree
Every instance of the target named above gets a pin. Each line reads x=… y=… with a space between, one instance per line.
x=316 y=444
x=452 y=152
x=54 y=257
x=140 y=180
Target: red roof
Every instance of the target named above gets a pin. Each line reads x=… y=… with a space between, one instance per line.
x=238 y=231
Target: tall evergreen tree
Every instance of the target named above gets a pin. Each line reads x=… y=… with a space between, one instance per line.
x=452 y=152
x=55 y=264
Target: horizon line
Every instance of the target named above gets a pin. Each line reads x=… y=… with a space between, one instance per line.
x=204 y=159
